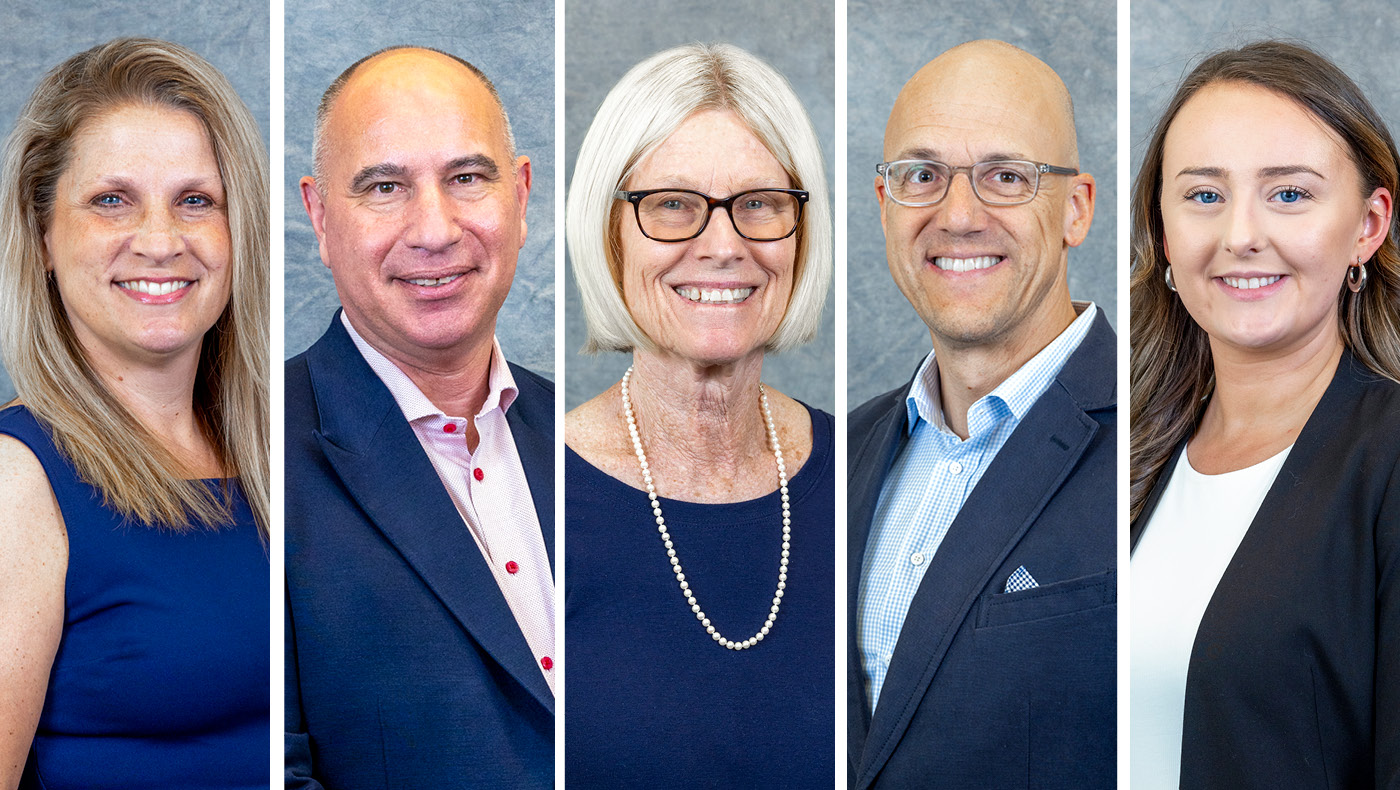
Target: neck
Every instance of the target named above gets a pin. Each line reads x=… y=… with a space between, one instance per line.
x=160 y=395
x=968 y=371
x=459 y=387
x=709 y=415
x=1265 y=398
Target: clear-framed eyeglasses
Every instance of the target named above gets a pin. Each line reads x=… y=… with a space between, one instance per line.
x=998 y=182
x=683 y=214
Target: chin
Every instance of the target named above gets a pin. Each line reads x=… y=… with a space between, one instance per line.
x=712 y=356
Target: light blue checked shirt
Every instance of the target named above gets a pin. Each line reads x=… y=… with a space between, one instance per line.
x=927 y=485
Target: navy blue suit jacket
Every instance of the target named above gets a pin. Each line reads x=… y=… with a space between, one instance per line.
x=404 y=665
x=987 y=688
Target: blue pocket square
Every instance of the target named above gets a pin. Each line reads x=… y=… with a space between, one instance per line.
x=1021 y=580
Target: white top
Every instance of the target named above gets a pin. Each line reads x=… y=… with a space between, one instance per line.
x=1184 y=550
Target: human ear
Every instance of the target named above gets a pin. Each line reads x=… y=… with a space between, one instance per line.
x=1079 y=209
x=1375 y=226
x=522 y=192
x=882 y=198
x=315 y=206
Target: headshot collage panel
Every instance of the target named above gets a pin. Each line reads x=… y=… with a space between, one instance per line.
x=792 y=460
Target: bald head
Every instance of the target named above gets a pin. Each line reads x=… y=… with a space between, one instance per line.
x=397 y=68
x=993 y=90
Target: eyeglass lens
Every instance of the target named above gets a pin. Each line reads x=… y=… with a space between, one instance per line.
x=994 y=182
x=759 y=215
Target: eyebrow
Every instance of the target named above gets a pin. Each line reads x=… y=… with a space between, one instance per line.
x=1264 y=172
x=932 y=155
x=373 y=173
x=486 y=163
x=110 y=182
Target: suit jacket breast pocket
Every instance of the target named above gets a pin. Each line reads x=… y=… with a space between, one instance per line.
x=1057 y=599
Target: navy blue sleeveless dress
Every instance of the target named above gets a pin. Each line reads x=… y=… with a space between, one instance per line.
x=652 y=701
x=161 y=676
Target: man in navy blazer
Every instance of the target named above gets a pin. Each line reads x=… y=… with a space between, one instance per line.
x=981 y=494
x=419 y=464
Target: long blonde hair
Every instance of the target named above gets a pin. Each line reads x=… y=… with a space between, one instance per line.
x=1172 y=372
x=109 y=447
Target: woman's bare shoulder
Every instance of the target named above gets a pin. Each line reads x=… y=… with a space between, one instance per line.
x=794 y=425
x=593 y=425
x=596 y=432
x=29 y=514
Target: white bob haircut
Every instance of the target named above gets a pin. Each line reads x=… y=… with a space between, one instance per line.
x=645 y=107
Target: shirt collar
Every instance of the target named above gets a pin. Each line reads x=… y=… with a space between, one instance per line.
x=411 y=400
x=1019 y=391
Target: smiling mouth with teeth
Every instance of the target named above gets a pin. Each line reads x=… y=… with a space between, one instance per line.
x=1250 y=283
x=432 y=282
x=715 y=296
x=154 y=289
x=967 y=264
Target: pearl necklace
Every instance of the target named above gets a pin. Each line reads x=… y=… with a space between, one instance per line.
x=686 y=589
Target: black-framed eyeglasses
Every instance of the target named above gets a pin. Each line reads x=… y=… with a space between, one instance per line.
x=998 y=182
x=683 y=214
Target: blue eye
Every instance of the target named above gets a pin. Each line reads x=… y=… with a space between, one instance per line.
x=1291 y=195
x=196 y=200
x=108 y=200
x=1205 y=197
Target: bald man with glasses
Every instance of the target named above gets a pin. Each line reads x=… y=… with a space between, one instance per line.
x=981 y=494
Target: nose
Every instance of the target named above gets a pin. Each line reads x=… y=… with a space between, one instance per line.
x=1243 y=234
x=961 y=212
x=433 y=221
x=158 y=238
x=719 y=242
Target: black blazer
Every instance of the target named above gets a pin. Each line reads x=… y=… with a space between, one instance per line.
x=404 y=664
x=987 y=688
x=1294 y=678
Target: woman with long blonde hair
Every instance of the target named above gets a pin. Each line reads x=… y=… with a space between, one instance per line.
x=133 y=466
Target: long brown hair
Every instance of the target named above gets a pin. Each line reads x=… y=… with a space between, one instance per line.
x=1172 y=373
x=110 y=449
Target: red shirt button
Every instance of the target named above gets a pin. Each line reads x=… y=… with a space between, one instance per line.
x=512 y=567
x=547 y=662
x=478 y=474
x=451 y=427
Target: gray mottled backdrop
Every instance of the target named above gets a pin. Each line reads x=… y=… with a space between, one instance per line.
x=36 y=35
x=603 y=40
x=512 y=41
x=1169 y=38
x=889 y=41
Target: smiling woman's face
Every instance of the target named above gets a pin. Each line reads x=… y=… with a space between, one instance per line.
x=1263 y=211
x=719 y=297
x=139 y=238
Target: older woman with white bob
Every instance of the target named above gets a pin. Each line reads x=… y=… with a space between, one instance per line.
x=698 y=502
x=134 y=468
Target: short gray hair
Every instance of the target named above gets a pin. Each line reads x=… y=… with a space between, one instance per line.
x=645 y=107
x=323 y=110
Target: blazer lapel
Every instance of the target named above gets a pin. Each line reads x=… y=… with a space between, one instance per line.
x=1032 y=465
x=868 y=466
x=374 y=451
x=531 y=419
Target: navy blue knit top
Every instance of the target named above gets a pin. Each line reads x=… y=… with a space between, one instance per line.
x=651 y=700
x=161 y=676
